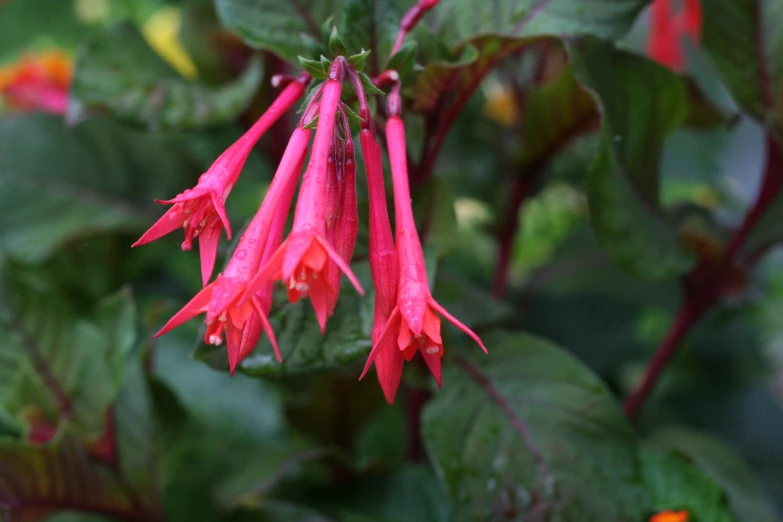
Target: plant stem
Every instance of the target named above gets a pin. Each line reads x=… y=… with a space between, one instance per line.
x=770 y=189
x=708 y=282
x=520 y=190
x=687 y=316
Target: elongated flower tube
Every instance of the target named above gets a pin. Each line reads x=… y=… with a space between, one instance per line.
x=300 y=261
x=669 y=28
x=383 y=265
x=414 y=321
x=222 y=299
x=346 y=226
x=240 y=343
x=201 y=211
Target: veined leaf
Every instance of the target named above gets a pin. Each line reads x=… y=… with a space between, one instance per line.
x=623 y=181
x=118 y=71
x=528 y=430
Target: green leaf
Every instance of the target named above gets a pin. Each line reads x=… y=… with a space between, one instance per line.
x=463 y=20
x=36 y=480
x=623 y=181
x=498 y=29
x=38 y=24
x=744 y=39
x=275 y=26
x=57 y=364
x=358 y=60
x=555 y=113
x=411 y=493
x=371 y=25
x=118 y=71
x=529 y=429
x=148 y=418
x=676 y=486
x=742 y=489
x=303 y=347
x=63 y=184
x=402 y=60
x=369 y=88
x=336 y=44
x=314 y=67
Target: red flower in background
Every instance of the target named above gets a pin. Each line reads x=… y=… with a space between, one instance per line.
x=37 y=82
x=670 y=516
x=669 y=28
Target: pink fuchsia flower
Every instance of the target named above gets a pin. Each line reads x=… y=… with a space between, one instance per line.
x=383 y=265
x=301 y=260
x=669 y=29
x=414 y=321
x=37 y=82
x=201 y=211
x=223 y=300
x=345 y=229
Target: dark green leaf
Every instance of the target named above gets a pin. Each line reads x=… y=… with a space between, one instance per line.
x=744 y=38
x=358 y=60
x=303 y=347
x=369 y=88
x=676 y=486
x=276 y=26
x=36 y=480
x=498 y=29
x=463 y=20
x=724 y=467
x=61 y=184
x=370 y=25
x=555 y=113
x=117 y=70
x=336 y=44
x=149 y=419
x=623 y=181
x=314 y=67
x=57 y=364
x=409 y=494
x=528 y=430
x=402 y=60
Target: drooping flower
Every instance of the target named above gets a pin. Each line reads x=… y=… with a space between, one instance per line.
x=669 y=29
x=301 y=260
x=223 y=300
x=201 y=211
x=414 y=321
x=37 y=82
x=383 y=265
x=345 y=229
x=670 y=516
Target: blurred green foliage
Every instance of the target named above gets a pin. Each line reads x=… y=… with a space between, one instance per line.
x=601 y=169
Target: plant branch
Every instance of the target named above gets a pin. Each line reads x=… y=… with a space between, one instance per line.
x=520 y=190
x=770 y=189
x=711 y=280
x=687 y=316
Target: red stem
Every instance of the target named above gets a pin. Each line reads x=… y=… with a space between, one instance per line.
x=770 y=189
x=705 y=285
x=410 y=19
x=520 y=190
x=689 y=313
